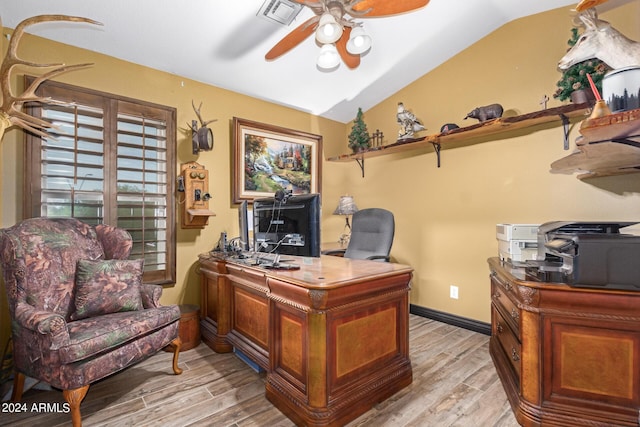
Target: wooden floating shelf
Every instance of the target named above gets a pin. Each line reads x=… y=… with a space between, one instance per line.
x=490 y=127
x=624 y=124
x=609 y=145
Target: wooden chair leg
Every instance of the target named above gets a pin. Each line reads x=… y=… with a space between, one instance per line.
x=175 y=347
x=18 y=387
x=74 y=398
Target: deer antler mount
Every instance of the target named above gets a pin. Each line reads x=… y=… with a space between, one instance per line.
x=11 y=108
x=202 y=139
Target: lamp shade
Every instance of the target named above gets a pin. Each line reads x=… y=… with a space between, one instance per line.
x=359 y=41
x=328 y=57
x=329 y=31
x=346 y=206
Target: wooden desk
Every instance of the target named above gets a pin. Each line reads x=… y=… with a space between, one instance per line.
x=332 y=336
x=566 y=356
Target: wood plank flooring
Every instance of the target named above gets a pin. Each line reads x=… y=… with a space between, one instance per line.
x=454 y=384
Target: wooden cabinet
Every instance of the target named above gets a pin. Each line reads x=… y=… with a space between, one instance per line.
x=566 y=356
x=249 y=307
x=333 y=336
x=215 y=312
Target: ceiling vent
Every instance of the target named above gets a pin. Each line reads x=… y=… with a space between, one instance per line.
x=280 y=11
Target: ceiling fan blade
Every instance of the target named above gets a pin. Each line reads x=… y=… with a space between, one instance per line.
x=351 y=61
x=586 y=4
x=384 y=8
x=293 y=39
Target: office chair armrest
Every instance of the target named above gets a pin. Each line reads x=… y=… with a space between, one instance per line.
x=377 y=257
x=334 y=252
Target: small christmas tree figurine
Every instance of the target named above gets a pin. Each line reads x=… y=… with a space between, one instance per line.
x=575 y=77
x=359 y=136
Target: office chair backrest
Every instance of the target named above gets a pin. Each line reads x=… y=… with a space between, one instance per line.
x=372 y=234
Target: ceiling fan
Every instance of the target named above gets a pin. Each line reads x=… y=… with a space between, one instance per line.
x=338 y=34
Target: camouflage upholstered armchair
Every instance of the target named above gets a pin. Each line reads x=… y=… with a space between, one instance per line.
x=78 y=307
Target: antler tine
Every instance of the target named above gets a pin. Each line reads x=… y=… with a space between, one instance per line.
x=29 y=95
x=19 y=30
x=11 y=59
x=30 y=123
x=10 y=110
x=17 y=117
x=197 y=110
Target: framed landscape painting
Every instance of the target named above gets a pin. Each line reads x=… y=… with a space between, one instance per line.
x=269 y=158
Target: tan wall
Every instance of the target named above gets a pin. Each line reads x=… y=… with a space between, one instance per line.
x=123 y=78
x=446 y=217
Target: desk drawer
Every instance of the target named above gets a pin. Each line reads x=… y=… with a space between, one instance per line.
x=508 y=340
x=501 y=298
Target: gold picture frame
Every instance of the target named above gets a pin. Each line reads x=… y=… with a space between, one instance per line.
x=268 y=158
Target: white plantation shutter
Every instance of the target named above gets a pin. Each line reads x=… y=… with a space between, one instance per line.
x=142 y=180
x=111 y=161
x=72 y=165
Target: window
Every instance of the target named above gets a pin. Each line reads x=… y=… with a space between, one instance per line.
x=111 y=161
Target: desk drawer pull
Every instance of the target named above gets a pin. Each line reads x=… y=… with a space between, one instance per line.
x=499 y=328
x=504 y=284
x=514 y=354
x=497 y=295
x=515 y=314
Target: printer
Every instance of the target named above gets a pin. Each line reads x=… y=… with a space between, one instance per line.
x=517 y=243
x=588 y=254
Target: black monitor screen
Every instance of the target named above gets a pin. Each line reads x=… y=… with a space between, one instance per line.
x=290 y=226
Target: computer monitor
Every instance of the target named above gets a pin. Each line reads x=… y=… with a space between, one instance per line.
x=243 y=223
x=289 y=225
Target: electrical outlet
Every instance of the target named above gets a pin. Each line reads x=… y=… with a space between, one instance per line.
x=453 y=292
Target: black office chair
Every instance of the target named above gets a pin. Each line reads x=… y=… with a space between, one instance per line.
x=372 y=234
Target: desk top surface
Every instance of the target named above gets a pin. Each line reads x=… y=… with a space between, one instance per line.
x=321 y=272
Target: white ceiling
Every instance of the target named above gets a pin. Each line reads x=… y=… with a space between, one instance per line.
x=223 y=43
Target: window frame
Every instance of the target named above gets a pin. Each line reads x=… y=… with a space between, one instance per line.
x=111 y=105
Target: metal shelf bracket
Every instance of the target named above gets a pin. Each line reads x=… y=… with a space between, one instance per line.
x=565 y=127
x=360 y=162
x=436 y=147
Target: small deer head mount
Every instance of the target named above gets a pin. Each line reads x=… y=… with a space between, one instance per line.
x=202 y=139
x=600 y=40
x=11 y=108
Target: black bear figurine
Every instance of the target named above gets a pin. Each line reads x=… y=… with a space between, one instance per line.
x=485 y=113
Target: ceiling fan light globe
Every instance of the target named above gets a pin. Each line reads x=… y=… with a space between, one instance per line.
x=329 y=31
x=328 y=57
x=359 y=42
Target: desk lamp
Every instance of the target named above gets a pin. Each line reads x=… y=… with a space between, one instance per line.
x=346 y=207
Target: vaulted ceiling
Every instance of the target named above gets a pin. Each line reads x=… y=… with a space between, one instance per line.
x=223 y=43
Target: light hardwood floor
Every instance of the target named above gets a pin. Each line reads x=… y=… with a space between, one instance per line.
x=454 y=384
